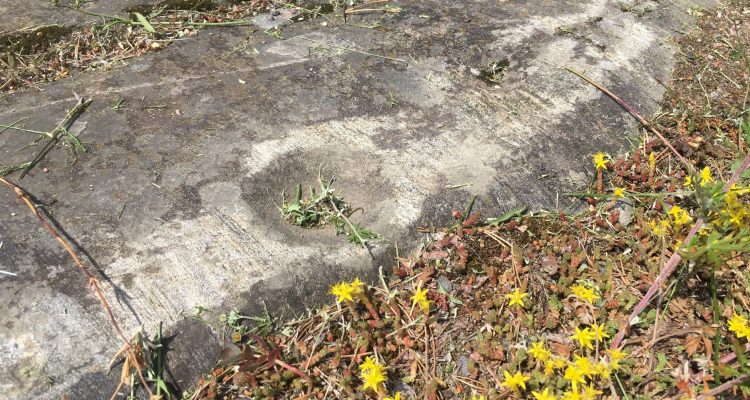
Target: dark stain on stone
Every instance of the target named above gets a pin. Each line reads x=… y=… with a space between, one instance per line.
x=127 y=279
x=186 y=203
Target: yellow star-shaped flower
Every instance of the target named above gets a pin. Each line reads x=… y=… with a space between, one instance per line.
x=600 y=160
x=343 y=291
x=420 y=297
x=591 y=393
x=357 y=286
x=514 y=381
x=373 y=377
x=584 y=293
x=516 y=297
x=538 y=351
x=571 y=395
x=706 y=176
x=574 y=375
x=584 y=337
x=615 y=356
x=543 y=395
x=584 y=366
x=688 y=182
x=738 y=325
x=618 y=192
x=603 y=369
x=598 y=331
x=369 y=364
x=681 y=217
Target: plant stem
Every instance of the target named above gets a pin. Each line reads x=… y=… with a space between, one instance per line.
x=717 y=321
x=61 y=129
x=643 y=121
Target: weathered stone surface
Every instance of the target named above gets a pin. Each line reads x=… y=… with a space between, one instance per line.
x=175 y=204
x=16 y=15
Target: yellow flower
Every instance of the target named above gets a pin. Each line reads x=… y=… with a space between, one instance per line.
x=478 y=397
x=600 y=160
x=615 y=356
x=544 y=395
x=343 y=291
x=603 y=370
x=591 y=392
x=738 y=325
x=618 y=192
x=652 y=161
x=571 y=395
x=373 y=377
x=688 y=182
x=598 y=331
x=706 y=176
x=397 y=396
x=549 y=367
x=347 y=291
x=575 y=376
x=681 y=217
x=584 y=293
x=539 y=352
x=661 y=229
x=514 y=381
x=584 y=338
x=420 y=297
x=552 y=364
x=369 y=364
x=357 y=286
x=584 y=366
x=516 y=297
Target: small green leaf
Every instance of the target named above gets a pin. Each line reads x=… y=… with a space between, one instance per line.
x=441 y=289
x=662 y=362
x=514 y=213
x=293 y=208
x=144 y=22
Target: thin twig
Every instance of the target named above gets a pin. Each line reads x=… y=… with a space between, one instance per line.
x=62 y=128
x=643 y=121
x=12 y=126
x=93 y=281
x=354 y=229
x=724 y=387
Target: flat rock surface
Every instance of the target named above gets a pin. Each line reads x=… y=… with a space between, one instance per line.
x=16 y=15
x=174 y=202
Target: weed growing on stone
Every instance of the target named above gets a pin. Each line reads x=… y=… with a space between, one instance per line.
x=324 y=207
